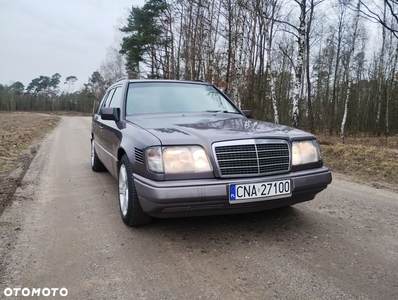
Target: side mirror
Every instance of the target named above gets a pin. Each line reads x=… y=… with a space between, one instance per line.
x=110 y=113
x=247 y=113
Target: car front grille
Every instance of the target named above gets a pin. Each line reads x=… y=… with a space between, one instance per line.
x=252 y=157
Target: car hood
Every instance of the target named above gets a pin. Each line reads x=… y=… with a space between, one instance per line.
x=177 y=129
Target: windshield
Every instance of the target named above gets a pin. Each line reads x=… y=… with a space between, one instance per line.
x=164 y=97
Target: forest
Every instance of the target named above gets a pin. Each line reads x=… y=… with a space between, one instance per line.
x=327 y=66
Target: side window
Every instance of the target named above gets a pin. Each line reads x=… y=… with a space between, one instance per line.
x=108 y=99
x=115 y=101
x=101 y=104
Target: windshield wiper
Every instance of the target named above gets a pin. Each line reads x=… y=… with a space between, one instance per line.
x=222 y=111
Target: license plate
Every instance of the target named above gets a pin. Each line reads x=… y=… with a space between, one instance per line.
x=239 y=193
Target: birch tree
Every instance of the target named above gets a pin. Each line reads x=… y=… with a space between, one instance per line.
x=269 y=36
x=299 y=63
x=381 y=73
x=340 y=31
x=349 y=75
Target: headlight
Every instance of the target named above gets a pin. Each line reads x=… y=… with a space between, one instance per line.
x=188 y=159
x=305 y=152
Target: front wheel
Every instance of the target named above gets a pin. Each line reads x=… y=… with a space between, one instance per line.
x=129 y=204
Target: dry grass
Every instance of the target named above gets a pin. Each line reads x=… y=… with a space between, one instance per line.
x=369 y=159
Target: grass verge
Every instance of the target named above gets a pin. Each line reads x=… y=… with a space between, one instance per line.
x=373 y=160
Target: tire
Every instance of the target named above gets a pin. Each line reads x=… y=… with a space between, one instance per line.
x=129 y=204
x=96 y=164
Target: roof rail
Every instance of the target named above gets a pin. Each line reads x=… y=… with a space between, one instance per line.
x=200 y=80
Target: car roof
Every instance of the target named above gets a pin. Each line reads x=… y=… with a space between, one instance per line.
x=201 y=82
x=168 y=81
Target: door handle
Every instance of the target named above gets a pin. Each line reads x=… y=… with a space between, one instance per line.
x=101 y=126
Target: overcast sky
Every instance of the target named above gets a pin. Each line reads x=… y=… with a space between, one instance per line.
x=44 y=37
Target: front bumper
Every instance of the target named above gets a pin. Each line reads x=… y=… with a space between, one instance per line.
x=210 y=196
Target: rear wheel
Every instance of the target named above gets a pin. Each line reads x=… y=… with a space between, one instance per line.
x=129 y=204
x=96 y=163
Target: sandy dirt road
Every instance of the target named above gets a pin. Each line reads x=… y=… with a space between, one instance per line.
x=64 y=230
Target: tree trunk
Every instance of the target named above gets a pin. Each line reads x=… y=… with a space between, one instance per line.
x=342 y=133
x=336 y=71
x=310 y=112
x=269 y=35
x=349 y=71
x=381 y=75
x=250 y=71
x=299 y=65
x=172 y=58
x=227 y=79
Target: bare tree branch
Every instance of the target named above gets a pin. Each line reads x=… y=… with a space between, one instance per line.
x=373 y=16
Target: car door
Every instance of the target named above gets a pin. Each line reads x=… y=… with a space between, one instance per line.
x=110 y=136
x=98 y=126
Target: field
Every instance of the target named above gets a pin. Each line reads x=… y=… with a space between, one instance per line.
x=372 y=160
x=19 y=137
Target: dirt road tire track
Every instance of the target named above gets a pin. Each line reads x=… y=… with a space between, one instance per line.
x=64 y=230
